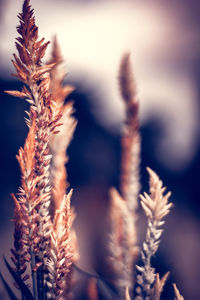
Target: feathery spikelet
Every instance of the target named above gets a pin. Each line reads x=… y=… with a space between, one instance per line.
x=60 y=142
x=122 y=240
x=130 y=161
x=20 y=252
x=29 y=205
x=178 y=296
x=156 y=207
x=59 y=91
x=158 y=286
x=62 y=252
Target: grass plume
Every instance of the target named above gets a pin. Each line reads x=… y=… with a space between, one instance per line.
x=156 y=207
x=33 y=225
x=130 y=141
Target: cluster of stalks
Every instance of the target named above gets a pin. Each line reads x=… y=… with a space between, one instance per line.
x=44 y=252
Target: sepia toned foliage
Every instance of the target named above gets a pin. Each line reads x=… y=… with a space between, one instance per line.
x=44 y=253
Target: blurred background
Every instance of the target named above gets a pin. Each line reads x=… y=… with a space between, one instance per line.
x=164 y=41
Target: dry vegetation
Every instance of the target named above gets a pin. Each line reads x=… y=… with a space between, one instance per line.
x=45 y=252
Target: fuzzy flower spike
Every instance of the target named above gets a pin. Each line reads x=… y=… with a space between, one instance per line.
x=156 y=207
x=33 y=225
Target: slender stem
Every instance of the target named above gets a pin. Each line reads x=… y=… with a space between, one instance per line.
x=37 y=276
x=33 y=261
x=34 y=275
x=40 y=278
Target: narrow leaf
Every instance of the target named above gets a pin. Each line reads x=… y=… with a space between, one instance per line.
x=8 y=289
x=24 y=289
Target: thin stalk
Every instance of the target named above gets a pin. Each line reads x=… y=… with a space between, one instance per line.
x=34 y=275
x=33 y=262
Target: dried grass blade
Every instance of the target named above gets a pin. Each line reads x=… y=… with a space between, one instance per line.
x=8 y=288
x=23 y=287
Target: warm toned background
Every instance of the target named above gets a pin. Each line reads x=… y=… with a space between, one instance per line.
x=163 y=37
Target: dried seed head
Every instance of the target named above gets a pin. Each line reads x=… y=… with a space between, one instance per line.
x=156 y=207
